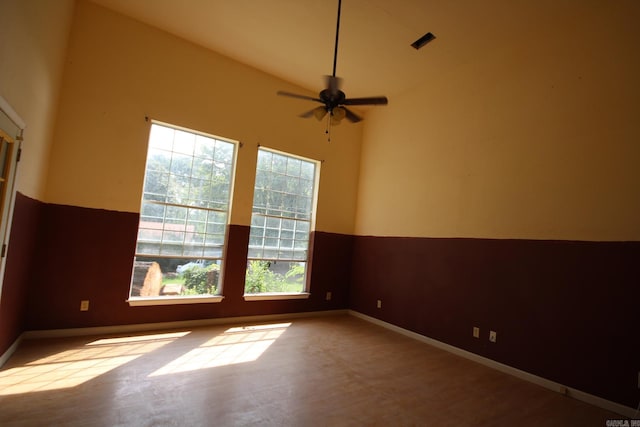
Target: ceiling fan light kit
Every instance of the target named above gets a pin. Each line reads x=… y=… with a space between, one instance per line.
x=333 y=99
x=319 y=113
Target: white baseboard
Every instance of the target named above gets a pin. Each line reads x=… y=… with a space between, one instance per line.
x=551 y=385
x=7 y=354
x=143 y=327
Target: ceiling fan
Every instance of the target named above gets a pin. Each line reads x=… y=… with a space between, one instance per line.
x=333 y=100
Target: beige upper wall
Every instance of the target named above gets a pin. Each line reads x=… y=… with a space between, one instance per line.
x=537 y=136
x=118 y=71
x=32 y=50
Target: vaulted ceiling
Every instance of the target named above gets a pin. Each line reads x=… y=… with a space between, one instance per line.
x=294 y=39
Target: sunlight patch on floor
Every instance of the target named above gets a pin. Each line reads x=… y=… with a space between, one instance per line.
x=235 y=345
x=73 y=367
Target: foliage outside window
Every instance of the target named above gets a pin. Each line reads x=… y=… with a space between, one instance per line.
x=282 y=219
x=184 y=214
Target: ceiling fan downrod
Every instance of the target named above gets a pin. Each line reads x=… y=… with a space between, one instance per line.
x=335 y=51
x=334 y=101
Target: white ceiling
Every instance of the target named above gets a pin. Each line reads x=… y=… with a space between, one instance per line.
x=294 y=39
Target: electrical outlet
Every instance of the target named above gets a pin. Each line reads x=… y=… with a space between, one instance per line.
x=379 y=303
x=476 y=332
x=328 y=297
x=493 y=336
x=84 y=305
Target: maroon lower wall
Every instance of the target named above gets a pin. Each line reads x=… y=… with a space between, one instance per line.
x=20 y=263
x=566 y=311
x=87 y=254
x=563 y=310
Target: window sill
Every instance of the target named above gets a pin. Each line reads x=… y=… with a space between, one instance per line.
x=197 y=299
x=276 y=296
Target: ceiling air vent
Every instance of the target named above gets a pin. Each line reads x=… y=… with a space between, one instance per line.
x=422 y=41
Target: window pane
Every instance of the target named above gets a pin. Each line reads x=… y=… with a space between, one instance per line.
x=223 y=152
x=307 y=171
x=302 y=227
x=255 y=252
x=152 y=212
x=293 y=167
x=181 y=164
x=161 y=137
x=184 y=142
x=156 y=185
x=279 y=163
x=204 y=147
x=159 y=160
x=286 y=234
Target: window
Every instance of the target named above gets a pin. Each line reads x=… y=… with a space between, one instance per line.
x=6 y=162
x=184 y=215
x=11 y=131
x=283 y=216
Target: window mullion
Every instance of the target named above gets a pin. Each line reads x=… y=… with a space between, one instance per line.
x=178 y=205
x=184 y=230
x=279 y=238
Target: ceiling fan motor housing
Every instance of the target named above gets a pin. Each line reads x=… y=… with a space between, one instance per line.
x=332 y=100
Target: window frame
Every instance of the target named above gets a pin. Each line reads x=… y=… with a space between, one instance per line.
x=221 y=260
x=10 y=123
x=306 y=291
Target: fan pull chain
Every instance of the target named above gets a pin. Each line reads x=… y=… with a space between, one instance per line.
x=328 y=131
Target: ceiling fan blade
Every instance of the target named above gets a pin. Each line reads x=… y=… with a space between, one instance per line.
x=333 y=84
x=351 y=116
x=295 y=95
x=307 y=114
x=374 y=100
